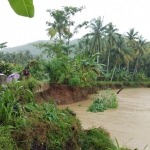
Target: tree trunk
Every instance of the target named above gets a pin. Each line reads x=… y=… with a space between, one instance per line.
x=128 y=67
x=59 y=35
x=108 y=60
x=68 y=46
x=119 y=66
x=135 y=69
x=98 y=52
x=114 y=71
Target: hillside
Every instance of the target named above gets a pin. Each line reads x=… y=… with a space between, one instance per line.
x=30 y=47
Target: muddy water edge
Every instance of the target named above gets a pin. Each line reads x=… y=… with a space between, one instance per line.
x=129 y=123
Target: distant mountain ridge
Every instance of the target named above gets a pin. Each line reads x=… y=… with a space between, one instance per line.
x=31 y=48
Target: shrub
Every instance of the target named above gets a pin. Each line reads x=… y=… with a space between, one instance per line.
x=12 y=97
x=6 y=67
x=103 y=101
x=75 y=81
x=6 y=140
x=96 y=139
x=31 y=84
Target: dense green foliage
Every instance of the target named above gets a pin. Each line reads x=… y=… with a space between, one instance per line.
x=75 y=72
x=18 y=57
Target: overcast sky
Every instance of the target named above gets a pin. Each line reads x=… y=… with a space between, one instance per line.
x=125 y=14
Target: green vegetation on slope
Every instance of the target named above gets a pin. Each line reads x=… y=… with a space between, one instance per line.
x=26 y=124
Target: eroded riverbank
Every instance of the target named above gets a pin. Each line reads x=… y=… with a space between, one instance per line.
x=129 y=123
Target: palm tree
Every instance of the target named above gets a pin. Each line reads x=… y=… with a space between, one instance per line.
x=59 y=25
x=121 y=53
x=28 y=55
x=131 y=39
x=2 y=56
x=21 y=56
x=62 y=22
x=131 y=36
x=111 y=37
x=84 y=44
x=141 y=48
x=97 y=33
x=13 y=56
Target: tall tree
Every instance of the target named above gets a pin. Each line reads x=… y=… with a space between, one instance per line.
x=97 y=33
x=141 y=49
x=84 y=44
x=131 y=36
x=111 y=37
x=61 y=21
x=131 y=39
x=121 y=53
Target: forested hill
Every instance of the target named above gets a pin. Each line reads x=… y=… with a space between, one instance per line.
x=30 y=47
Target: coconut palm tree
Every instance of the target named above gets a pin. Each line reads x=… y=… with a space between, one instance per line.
x=121 y=53
x=111 y=37
x=2 y=56
x=131 y=39
x=141 y=49
x=28 y=55
x=84 y=44
x=96 y=34
x=59 y=25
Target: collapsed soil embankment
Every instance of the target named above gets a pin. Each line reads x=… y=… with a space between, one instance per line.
x=64 y=94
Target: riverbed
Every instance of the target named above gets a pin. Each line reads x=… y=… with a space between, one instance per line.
x=129 y=123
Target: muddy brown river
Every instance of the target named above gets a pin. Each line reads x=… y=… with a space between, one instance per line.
x=129 y=123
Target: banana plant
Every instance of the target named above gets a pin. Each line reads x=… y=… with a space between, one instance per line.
x=22 y=7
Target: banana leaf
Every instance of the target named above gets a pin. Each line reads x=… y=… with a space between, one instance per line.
x=23 y=7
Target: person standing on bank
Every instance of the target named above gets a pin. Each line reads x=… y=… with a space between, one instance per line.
x=26 y=73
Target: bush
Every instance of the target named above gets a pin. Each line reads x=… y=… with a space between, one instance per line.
x=103 y=101
x=12 y=97
x=96 y=139
x=6 y=68
x=6 y=140
x=31 y=84
x=74 y=81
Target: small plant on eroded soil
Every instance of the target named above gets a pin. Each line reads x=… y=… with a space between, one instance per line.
x=96 y=139
x=103 y=101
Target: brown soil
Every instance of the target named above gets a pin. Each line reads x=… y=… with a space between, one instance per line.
x=64 y=94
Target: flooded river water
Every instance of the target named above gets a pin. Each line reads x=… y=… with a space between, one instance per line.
x=129 y=123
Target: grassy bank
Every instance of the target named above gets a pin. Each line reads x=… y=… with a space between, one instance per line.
x=27 y=125
x=113 y=85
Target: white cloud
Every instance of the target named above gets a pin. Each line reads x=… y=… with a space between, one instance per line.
x=125 y=14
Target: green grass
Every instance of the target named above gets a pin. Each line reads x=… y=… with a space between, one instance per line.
x=28 y=125
x=96 y=139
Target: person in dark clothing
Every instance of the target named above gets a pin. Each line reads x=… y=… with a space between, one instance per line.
x=1 y=71
x=26 y=73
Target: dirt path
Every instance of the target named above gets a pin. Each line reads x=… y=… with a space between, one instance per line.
x=129 y=123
